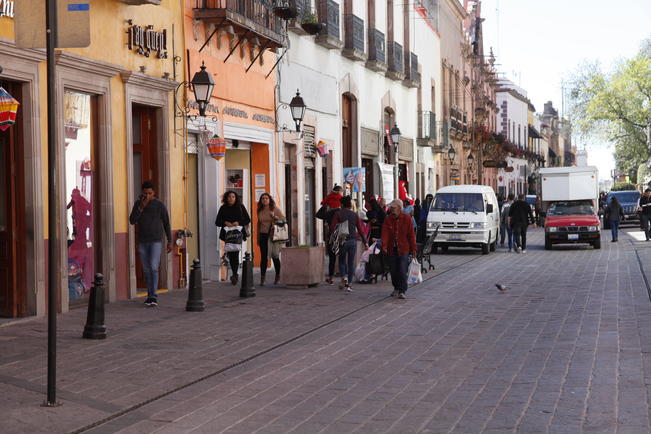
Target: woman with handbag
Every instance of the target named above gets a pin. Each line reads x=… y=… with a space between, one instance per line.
x=231 y=215
x=272 y=232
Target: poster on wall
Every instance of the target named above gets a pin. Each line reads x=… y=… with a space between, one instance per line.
x=355 y=179
x=386 y=177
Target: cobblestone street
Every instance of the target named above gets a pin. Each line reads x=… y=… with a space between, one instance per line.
x=566 y=349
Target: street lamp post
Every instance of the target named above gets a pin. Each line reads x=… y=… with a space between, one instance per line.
x=451 y=154
x=471 y=160
x=202 y=86
x=395 y=139
x=297 y=107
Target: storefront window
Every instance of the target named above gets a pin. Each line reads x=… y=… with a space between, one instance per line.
x=79 y=193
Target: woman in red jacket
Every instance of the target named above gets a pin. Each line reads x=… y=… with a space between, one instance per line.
x=333 y=199
x=398 y=242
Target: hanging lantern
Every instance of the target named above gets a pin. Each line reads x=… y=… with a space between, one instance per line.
x=8 y=109
x=322 y=148
x=217 y=147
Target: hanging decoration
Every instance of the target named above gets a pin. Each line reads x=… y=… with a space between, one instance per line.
x=322 y=148
x=8 y=109
x=217 y=147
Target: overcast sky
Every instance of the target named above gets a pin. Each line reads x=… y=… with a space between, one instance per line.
x=537 y=43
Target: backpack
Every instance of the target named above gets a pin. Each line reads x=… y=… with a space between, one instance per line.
x=504 y=216
x=338 y=237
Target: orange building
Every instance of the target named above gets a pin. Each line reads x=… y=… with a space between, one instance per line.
x=237 y=42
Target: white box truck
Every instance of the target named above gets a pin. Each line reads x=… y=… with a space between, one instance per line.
x=570 y=197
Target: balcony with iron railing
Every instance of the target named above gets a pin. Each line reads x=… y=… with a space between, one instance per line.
x=376 y=51
x=396 y=69
x=330 y=36
x=248 y=18
x=354 y=38
x=412 y=76
x=428 y=132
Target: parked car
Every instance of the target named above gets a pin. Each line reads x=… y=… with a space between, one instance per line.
x=466 y=216
x=629 y=200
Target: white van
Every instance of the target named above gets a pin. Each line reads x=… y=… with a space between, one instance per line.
x=467 y=216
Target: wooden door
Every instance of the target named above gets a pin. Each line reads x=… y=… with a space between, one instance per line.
x=12 y=234
x=346 y=131
x=145 y=162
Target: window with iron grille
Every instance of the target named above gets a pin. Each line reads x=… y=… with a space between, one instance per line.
x=354 y=32
x=309 y=146
x=395 y=57
x=376 y=45
x=429 y=125
x=329 y=15
x=413 y=67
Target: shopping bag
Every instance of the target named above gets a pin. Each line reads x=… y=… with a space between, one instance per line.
x=233 y=235
x=360 y=271
x=322 y=212
x=414 y=275
x=280 y=233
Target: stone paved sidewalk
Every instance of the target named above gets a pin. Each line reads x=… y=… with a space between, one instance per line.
x=566 y=349
x=149 y=352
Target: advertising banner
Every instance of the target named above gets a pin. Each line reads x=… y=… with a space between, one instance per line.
x=387 y=180
x=355 y=179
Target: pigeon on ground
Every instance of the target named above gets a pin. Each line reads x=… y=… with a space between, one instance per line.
x=501 y=287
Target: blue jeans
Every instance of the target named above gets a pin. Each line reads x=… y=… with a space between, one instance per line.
x=150 y=258
x=504 y=231
x=399 y=270
x=614 y=227
x=347 y=259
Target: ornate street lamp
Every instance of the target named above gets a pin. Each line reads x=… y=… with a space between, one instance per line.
x=202 y=86
x=471 y=160
x=297 y=107
x=451 y=154
x=395 y=135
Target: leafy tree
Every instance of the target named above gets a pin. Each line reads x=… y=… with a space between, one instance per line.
x=615 y=106
x=622 y=186
x=643 y=174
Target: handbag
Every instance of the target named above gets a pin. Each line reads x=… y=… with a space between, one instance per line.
x=322 y=212
x=376 y=263
x=280 y=233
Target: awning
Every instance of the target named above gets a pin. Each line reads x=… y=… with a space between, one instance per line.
x=534 y=133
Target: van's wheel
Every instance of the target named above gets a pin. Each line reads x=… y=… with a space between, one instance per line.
x=493 y=245
x=548 y=243
x=485 y=249
x=597 y=244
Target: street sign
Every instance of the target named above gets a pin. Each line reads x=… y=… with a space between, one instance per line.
x=73 y=24
x=489 y=163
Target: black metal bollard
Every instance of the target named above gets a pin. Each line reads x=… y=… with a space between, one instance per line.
x=95 y=328
x=247 y=289
x=195 y=291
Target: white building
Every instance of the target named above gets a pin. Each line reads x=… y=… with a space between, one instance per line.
x=358 y=77
x=513 y=124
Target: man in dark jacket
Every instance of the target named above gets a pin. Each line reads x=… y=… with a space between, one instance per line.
x=645 y=216
x=348 y=249
x=398 y=242
x=153 y=220
x=520 y=217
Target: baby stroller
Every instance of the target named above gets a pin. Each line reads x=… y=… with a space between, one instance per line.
x=424 y=252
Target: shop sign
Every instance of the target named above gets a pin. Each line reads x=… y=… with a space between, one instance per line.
x=263 y=118
x=236 y=112
x=145 y=40
x=7 y=8
x=489 y=163
x=210 y=108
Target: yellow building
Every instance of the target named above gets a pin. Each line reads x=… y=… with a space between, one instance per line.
x=116 y=127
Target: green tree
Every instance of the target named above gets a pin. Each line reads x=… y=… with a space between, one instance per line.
x=615 y=106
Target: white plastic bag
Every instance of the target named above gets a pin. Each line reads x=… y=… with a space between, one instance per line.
x=360 y=271
x=414 y=275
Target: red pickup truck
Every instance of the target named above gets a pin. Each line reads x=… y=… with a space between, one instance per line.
x=572 y=221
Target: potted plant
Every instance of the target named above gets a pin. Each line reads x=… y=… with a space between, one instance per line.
x=310 y=24
x=285 y=10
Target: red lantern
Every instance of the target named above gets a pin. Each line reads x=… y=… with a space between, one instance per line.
x=8 y=109
x=217 y=147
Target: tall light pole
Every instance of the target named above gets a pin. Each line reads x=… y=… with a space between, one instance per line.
x=395 y=139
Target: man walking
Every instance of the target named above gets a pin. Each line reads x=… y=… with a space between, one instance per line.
x=520 y=217
x=348 y=249
x=505 y=229
x=645 y=216
x=153 y=220
x=398 y=242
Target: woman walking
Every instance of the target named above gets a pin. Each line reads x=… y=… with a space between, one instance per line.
x=268 y=215
x=348 y=249
x=232 y=214
x=375 y=216
x=615 y=214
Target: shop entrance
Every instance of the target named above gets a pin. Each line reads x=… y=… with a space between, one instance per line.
x=145 y=167
x=12 y=214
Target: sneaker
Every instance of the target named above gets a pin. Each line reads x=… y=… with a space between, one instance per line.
x=518 y=249
x=348 y=288
x=402 y=296
x=329 y=281
x=524 y=250
x=153 y=302
x=395 y=293
x=343 y=283
x=148 y=302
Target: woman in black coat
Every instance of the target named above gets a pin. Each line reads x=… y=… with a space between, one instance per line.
x=232 y=213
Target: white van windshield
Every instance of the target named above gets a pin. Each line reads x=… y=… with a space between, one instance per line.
x=471 y=202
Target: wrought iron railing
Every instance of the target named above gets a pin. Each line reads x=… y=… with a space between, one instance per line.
x=329 y=15
x=412 y=73
x=428 y=125
x=258 y=11
x=354 y=32
x=395 y=57
x=376 y=45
